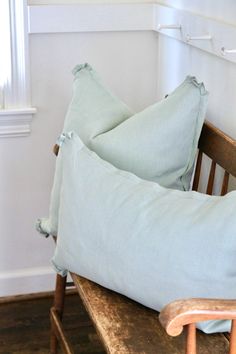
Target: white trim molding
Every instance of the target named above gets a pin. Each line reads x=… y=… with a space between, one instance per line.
x=15 y=122
x=15 y=119
x=207 y=34
x=90 y=18
x=17 y=93
x=26 y=281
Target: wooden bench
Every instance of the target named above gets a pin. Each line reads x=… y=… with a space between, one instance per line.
x=125 y=326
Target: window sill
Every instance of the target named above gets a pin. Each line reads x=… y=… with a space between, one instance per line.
x=15 y=122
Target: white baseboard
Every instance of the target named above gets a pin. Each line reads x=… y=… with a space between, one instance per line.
x=26 y=281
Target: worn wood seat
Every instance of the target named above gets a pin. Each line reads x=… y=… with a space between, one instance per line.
x=125 y=326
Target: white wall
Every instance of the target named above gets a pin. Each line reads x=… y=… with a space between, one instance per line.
x=176 y=60
x=127 y=61
x=217 y=9
x=132 y=64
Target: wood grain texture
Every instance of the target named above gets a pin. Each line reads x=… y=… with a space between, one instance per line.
x=182 y=312
x=33 y=296
x=191 y=341
x=60 y=333
x=219 y=146
x=211 y=178
x=126 y=327
x=197 y=171
x=56 y=314
x=25 y=327
x=233 y=338
x=225 y=183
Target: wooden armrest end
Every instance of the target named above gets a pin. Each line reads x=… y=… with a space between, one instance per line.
x=179 y=313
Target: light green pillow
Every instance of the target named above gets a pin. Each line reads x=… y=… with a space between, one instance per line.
x=147 y=242
x=158 y=144
x=92 y=111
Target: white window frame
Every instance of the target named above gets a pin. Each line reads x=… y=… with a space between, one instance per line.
x=17 y=114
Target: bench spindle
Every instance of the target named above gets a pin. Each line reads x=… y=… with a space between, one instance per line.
x=58 y=308
x=211 y=178
x=232 y=347
x=197 y=171
x=225 y=183
x=191 y=346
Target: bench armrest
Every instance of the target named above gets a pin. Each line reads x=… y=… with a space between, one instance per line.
x=183 y=312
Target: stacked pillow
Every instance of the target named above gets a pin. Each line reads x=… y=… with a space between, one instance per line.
x=93 y=109
x=122 y=229
x=147 y=242
x=157 y=144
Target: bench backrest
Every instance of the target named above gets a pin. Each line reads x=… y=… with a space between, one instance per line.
x=221 y=149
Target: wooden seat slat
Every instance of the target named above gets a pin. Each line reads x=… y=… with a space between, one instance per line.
x=126 y=327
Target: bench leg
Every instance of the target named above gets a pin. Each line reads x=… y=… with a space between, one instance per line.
x=59 y=298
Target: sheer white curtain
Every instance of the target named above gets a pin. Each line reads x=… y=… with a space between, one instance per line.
x=5 y=49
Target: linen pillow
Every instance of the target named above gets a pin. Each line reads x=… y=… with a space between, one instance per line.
x=147 y=242
x=158 y=144
x=92 y=111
